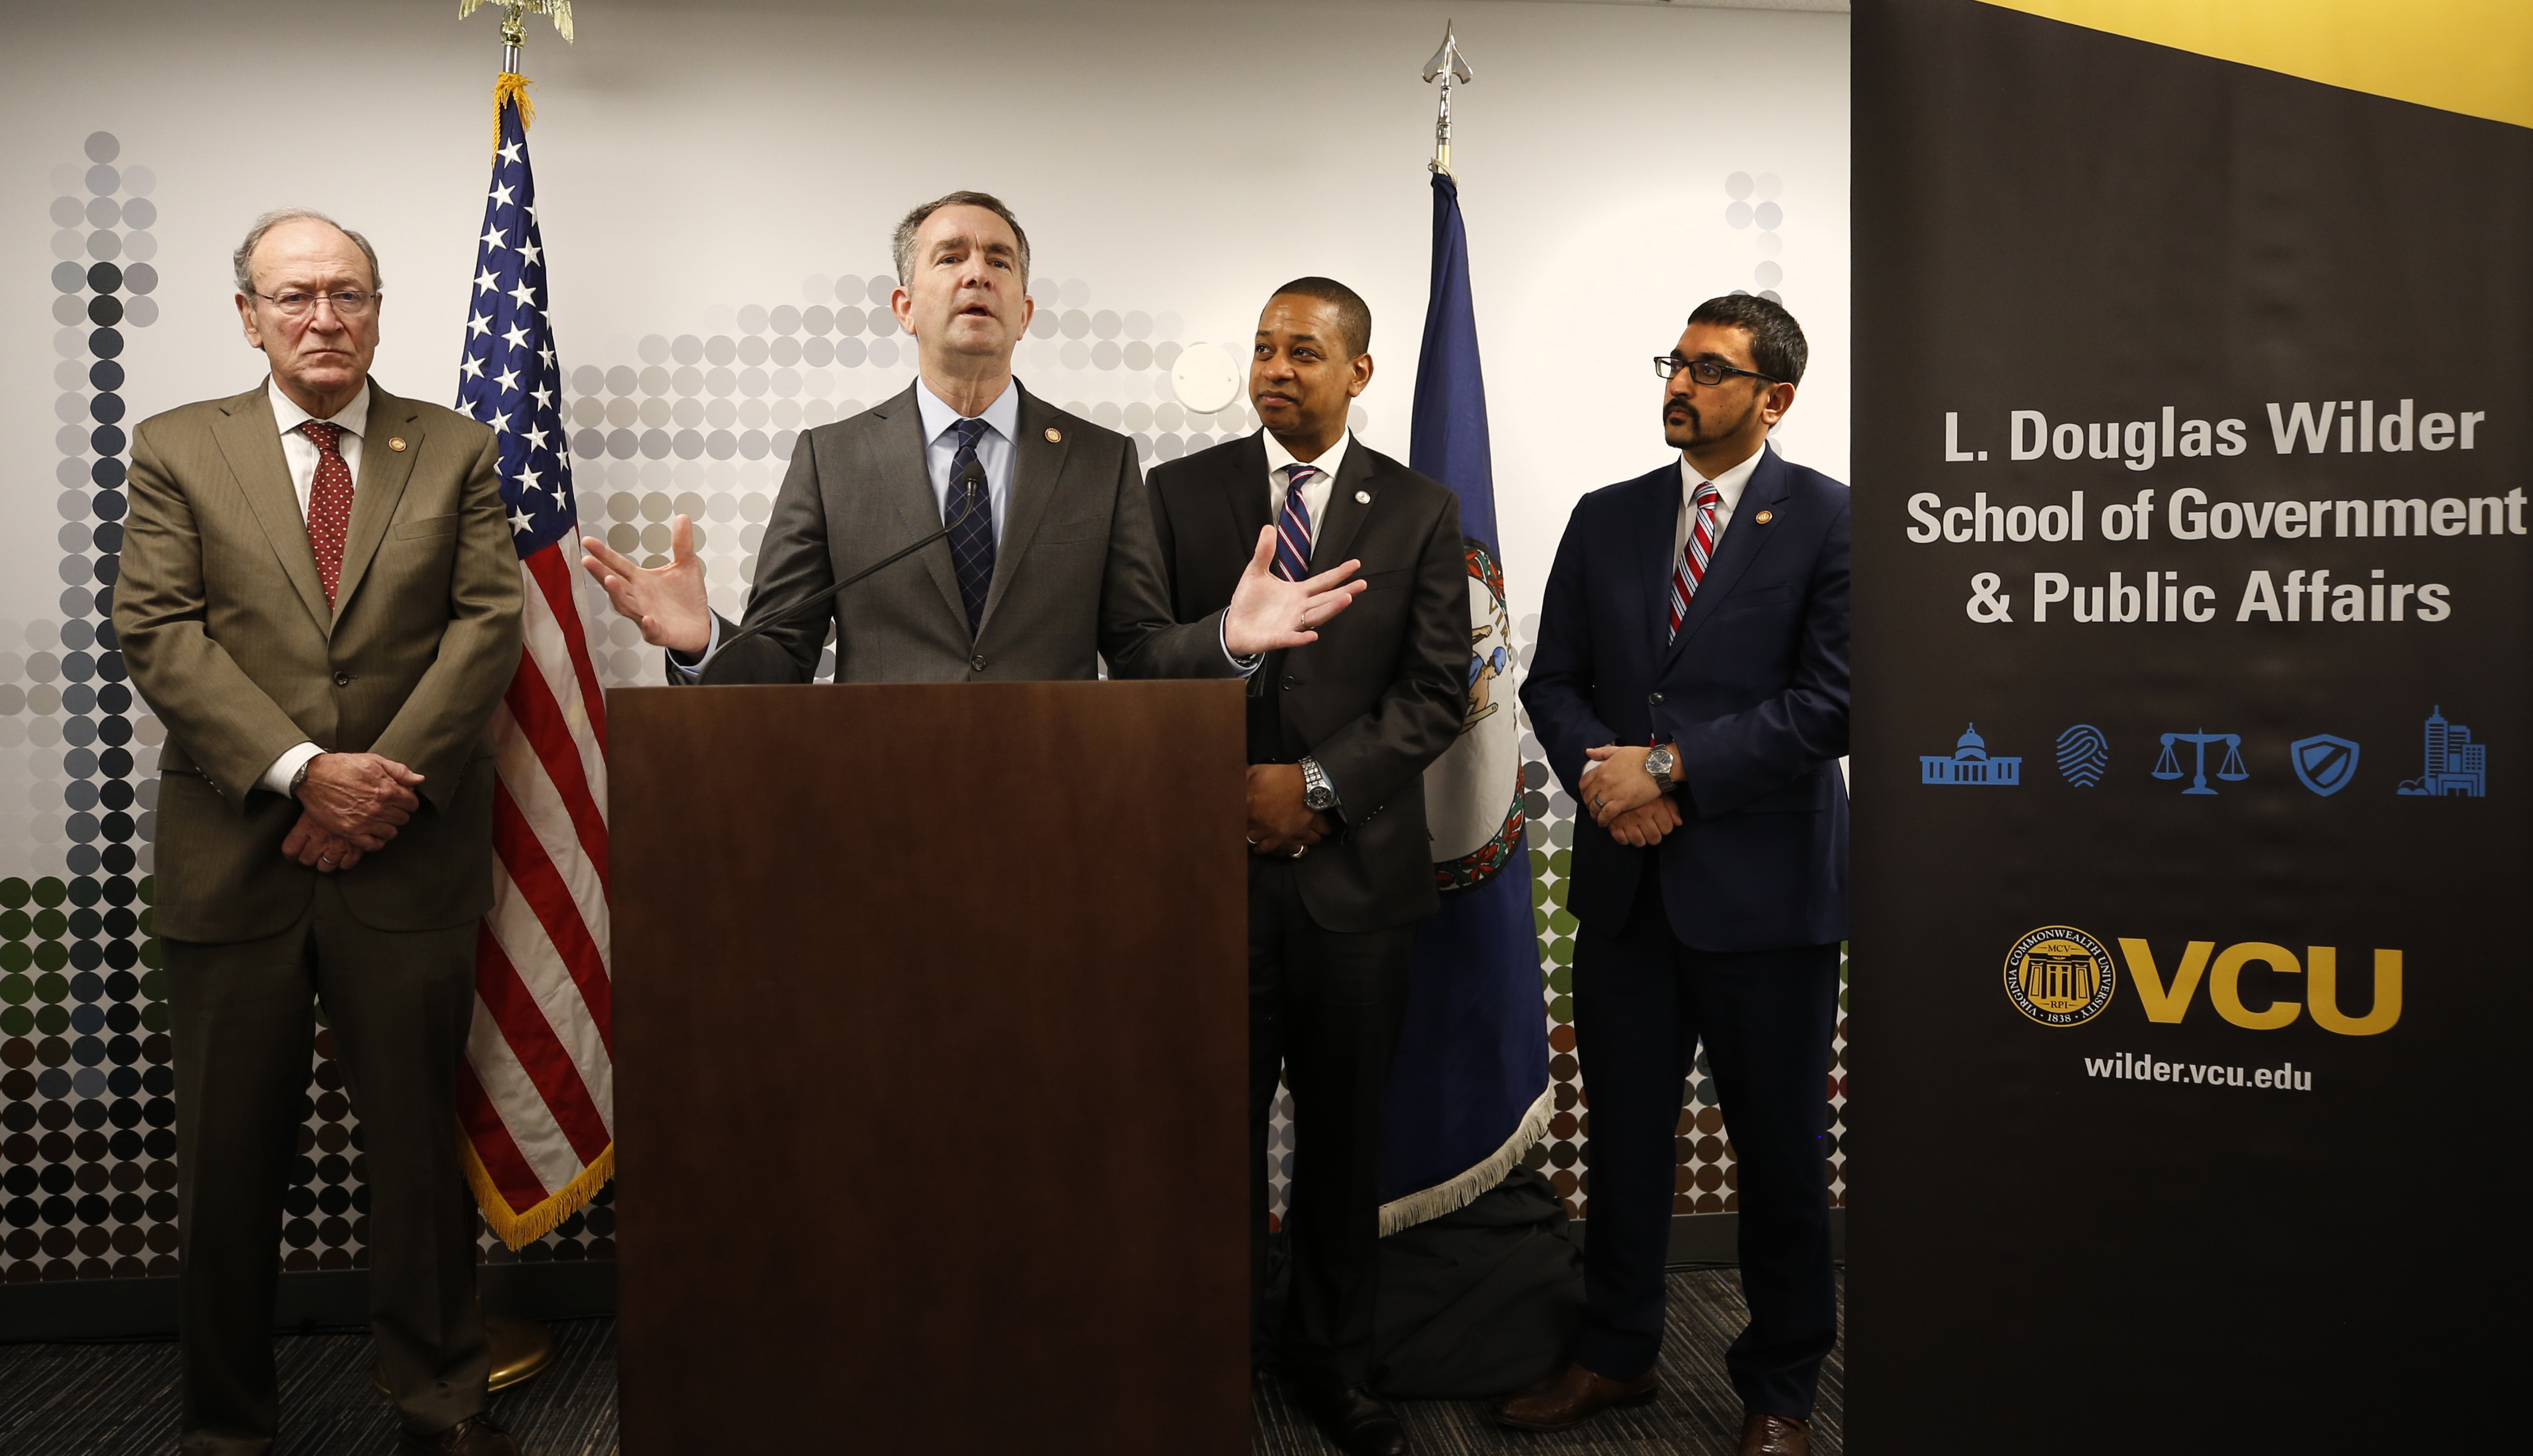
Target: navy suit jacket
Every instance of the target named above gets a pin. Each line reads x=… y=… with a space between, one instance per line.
x=1754 y=690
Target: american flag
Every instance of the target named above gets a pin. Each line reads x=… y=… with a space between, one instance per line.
x=537 y=1095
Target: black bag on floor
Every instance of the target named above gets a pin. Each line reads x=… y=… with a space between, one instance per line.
x=1481 y=1302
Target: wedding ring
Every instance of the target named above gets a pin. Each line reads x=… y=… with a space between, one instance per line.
x=1297 y=850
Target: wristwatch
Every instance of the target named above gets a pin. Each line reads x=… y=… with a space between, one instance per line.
x=1317 y=794
x=300 y=776
x=1658 y=765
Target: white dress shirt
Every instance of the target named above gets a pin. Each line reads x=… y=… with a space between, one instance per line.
x=1314 y=491
x=299 y=454
x=1727 y=485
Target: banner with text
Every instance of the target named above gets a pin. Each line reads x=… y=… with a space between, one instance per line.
x=2194 y=748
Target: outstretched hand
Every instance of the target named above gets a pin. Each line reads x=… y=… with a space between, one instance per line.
x=667 y=602
x=1268 y=612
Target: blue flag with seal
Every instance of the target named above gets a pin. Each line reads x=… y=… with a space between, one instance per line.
x=1469 y=1092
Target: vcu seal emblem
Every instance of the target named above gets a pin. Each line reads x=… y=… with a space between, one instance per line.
x=2059 y=976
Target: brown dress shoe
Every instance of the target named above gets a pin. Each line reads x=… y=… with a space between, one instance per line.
x=476 y=1435
x=1775 y=1435
x=1571 y=1397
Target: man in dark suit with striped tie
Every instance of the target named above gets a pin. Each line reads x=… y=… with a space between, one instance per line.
x=1690 y=689
x=1341 y=733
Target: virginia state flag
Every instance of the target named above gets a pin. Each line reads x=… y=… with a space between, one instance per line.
x=1469 y=1092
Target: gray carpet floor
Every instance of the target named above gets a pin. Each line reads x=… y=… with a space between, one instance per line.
x=120 y=1399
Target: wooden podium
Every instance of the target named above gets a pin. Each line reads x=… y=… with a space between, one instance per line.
x=931 y=1054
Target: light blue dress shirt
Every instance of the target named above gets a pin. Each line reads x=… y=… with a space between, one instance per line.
x=994 y=448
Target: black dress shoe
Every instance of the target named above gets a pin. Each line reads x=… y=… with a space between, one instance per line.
x=1361 y=1423
x=476 y=1435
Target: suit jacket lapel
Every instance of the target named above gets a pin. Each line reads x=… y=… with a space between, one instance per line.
x=380 y=486
x=1655 y=518
x=1350 y=499
x=909 y=483
x=1769 y=485
x=1244 y=494
x=249 y=440
x=1038 y=463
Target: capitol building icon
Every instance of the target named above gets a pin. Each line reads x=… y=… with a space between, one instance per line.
x=1969 y=764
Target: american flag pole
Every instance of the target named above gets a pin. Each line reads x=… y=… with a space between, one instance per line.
x=536 y=1095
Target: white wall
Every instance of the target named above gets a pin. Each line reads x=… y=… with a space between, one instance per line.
x=1175 y=160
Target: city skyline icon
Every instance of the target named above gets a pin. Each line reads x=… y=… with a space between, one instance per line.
x=2455 y=766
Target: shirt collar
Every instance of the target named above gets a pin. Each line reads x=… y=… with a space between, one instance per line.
x=1727 y=485
x=1331 y=460
x=1003 y=416
x=353 y=417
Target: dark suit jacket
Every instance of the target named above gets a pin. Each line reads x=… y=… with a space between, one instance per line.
x=1754 y=691
x=224 y=622
x=1380 y=696
x=1076 y=577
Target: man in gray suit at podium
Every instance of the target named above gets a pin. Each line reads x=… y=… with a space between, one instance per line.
x=1050 y=563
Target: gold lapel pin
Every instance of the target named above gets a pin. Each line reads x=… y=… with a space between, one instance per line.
x=1764 y=517
x=396 y=443
x=1362 y=498
x=1055 y=436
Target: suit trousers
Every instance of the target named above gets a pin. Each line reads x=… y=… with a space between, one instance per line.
x=399 y=1004
x=1325 y=1009
x=1643 y=1002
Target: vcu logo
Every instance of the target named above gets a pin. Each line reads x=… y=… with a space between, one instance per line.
x=2059 y=976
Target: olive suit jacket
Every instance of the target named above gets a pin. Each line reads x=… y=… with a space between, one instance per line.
x=222 y=620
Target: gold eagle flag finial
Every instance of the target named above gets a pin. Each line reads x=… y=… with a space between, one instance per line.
x=515 y=13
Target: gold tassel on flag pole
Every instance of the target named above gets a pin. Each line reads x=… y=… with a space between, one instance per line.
x=510 y=85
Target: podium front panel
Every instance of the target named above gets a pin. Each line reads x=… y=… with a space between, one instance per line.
x=931 y=1053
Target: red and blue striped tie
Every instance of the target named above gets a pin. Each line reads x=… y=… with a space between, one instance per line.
x=1690 y=568
x=1293 y=526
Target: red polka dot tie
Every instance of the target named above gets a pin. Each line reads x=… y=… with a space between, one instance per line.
x=329 y=502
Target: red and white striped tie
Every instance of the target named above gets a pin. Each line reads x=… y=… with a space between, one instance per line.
x=1690 y=568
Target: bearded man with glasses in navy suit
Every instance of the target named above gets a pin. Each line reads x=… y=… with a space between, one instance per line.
x=1690 y=687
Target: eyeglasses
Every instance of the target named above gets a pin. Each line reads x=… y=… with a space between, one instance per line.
x=351 y=303
x=1705 y=370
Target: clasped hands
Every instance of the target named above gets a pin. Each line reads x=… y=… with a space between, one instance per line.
x=350 y=805
x=1623 y=798
x=1268 y=613
x=1279 y=822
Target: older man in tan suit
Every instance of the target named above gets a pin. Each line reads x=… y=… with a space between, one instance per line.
x=320 y=602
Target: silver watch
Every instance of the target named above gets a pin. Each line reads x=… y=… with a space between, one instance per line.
x=1317 y=794
x=1658 y=764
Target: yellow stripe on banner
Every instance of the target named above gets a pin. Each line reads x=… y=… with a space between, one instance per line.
x=531 y=1224
x=2470 y=56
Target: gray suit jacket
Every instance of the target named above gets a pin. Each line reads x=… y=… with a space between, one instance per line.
x=222 y=619
x=1077 y=576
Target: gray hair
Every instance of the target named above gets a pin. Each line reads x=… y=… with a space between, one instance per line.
x=902 y=246
x=243 y=259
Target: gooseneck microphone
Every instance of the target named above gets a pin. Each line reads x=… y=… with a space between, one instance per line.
x=970 y=498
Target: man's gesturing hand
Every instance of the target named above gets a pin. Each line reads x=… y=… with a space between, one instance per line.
x=666 y=602
x=1279 y=822
x=1268 y=612
x=356 y=796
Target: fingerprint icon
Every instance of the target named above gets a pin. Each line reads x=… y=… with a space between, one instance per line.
x=2083 y=754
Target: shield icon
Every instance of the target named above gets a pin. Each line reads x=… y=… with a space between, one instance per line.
x=2326 y=763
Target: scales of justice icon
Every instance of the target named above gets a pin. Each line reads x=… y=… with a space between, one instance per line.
x=2231 y=770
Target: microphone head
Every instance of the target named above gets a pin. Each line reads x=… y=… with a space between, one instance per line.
x=973 y=477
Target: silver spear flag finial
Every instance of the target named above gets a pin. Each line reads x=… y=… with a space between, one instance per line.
x=1449 y=68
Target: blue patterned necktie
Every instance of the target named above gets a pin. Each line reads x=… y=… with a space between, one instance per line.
x=971 y=541
x=1294 y=525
